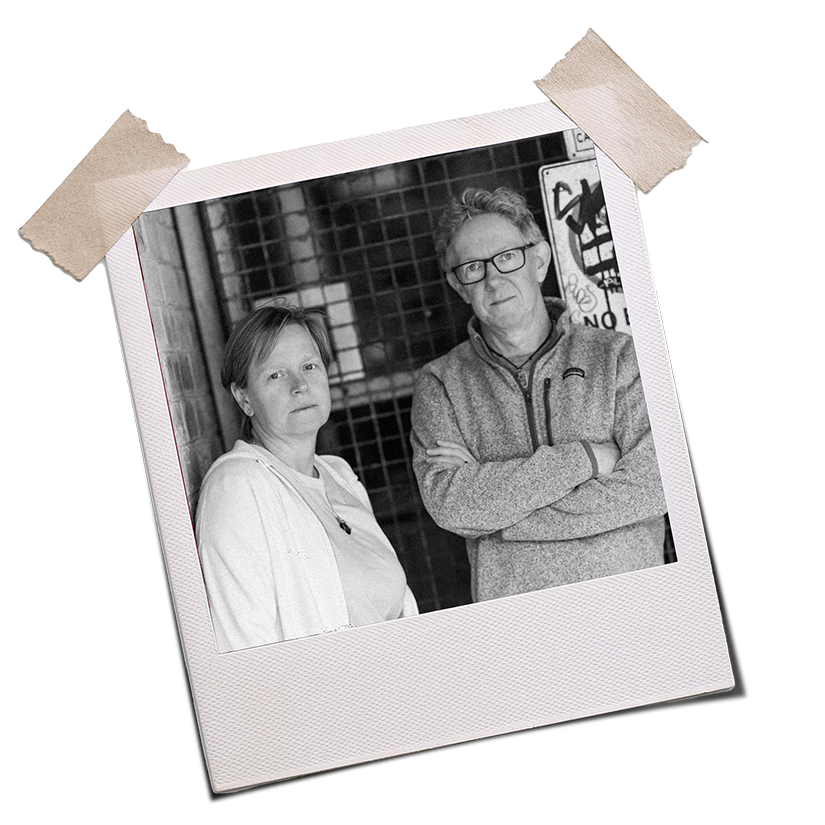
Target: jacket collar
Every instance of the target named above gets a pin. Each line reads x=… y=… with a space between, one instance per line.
x=559 y=315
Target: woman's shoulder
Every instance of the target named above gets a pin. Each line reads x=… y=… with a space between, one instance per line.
x=237 y=483
x=242 y=461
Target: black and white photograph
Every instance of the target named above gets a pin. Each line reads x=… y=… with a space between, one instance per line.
x=403 y=389
x=413 y=445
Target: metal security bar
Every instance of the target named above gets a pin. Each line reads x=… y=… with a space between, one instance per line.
x=360 y=246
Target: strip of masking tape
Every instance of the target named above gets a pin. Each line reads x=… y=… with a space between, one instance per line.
x=103 y=196
x=625 y=118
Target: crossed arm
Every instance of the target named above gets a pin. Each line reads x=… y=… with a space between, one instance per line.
x=549 y=496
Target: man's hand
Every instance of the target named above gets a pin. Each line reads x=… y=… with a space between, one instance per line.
x=450 y=454
x=607 y=455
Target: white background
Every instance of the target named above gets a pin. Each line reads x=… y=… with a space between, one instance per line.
x=48 y=700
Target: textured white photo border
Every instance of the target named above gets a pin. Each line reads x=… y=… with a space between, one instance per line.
x=312 y=704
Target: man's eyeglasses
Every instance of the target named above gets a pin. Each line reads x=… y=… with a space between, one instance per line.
x=510 y=260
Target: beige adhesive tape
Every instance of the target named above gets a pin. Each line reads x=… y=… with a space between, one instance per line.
x=625 y=118
x=103 y=196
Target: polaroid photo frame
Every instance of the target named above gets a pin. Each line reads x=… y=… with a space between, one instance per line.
x=451 y=674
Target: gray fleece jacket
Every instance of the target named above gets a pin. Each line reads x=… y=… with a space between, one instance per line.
x=533 y=514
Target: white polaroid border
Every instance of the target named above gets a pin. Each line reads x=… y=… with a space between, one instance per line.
x=312 y=704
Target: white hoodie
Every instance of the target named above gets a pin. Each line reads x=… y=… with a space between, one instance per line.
x=269 y=566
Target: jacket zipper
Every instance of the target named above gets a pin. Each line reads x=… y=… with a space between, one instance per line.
x=526 y=387
x=527 y=392
x=547 y=411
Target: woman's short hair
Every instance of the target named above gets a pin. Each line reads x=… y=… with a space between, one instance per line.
x=254 y=338
x=474 y=202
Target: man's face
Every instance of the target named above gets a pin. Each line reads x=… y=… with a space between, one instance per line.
x=501 y=302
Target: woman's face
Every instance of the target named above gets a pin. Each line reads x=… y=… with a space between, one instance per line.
x=287 y=393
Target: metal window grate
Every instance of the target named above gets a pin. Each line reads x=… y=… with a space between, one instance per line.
x=361 y=245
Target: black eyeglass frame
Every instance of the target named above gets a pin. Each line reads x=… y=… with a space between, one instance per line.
x=492 y=261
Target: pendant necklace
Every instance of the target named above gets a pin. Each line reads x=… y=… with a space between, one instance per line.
x=341 y=523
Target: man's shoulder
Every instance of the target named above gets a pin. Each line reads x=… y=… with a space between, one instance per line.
x=595 y=339
x=458 y=358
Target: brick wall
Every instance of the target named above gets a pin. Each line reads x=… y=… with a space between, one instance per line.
x=188 y=390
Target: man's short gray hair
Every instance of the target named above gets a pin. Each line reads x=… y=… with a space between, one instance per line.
x=473 y=202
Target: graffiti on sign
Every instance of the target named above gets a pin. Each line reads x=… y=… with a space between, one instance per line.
x=585 y=259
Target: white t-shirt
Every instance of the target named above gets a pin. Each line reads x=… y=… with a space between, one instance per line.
x=373 y=581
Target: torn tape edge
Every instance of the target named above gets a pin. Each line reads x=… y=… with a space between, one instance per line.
x=685 y=155
x=159 y=144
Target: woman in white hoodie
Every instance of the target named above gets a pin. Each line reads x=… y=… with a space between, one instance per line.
x=287 y=539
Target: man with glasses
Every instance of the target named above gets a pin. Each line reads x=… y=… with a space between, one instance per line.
x=531 y=439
